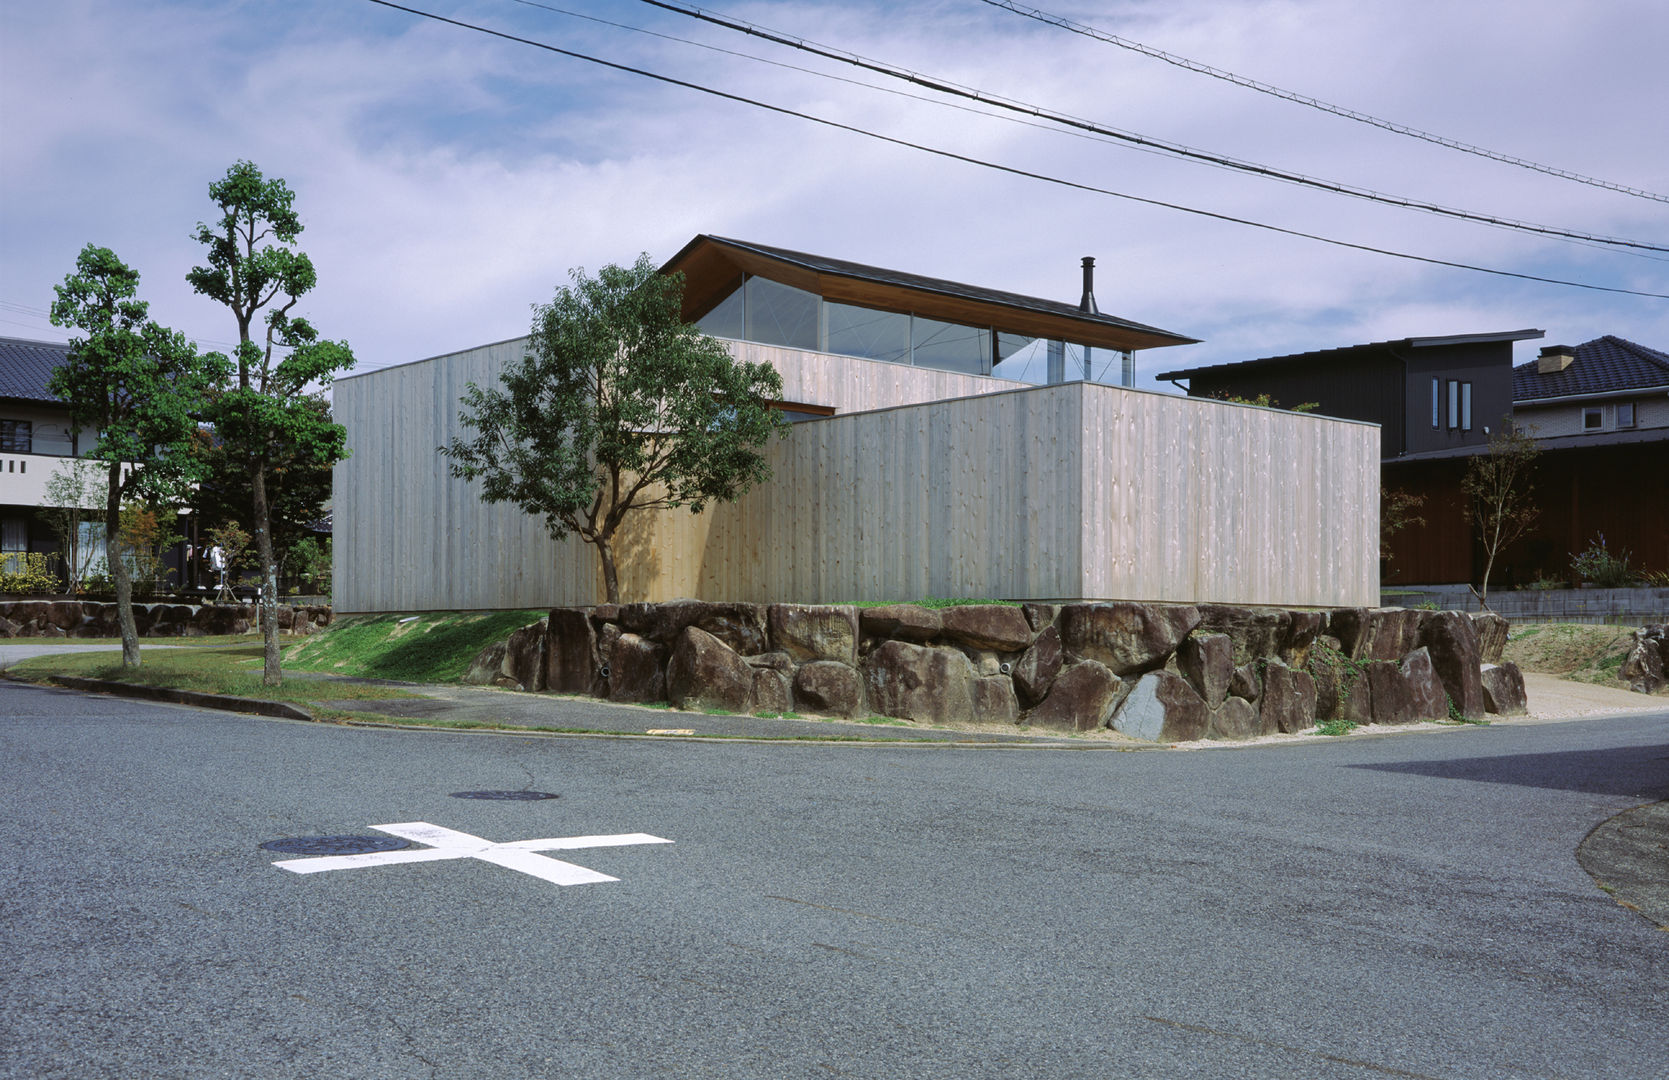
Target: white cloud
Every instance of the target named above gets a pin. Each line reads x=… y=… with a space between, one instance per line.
x=448 y=181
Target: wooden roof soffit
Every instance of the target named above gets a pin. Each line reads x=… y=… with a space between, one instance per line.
x=713 y=270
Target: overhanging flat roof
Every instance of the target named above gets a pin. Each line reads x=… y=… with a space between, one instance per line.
x=713 y=266
x=1347 y=351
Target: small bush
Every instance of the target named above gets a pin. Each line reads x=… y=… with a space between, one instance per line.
x=28 y=573
x=1599 y=566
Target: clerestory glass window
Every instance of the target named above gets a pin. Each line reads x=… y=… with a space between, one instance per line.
x=951 y=346
x=725 y=320
x=866 y=332
x=781 y=315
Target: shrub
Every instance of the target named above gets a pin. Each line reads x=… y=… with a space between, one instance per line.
x=24 y=573
x=1600 y=566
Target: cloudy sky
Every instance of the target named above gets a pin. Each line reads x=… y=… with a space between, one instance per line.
x=448 y=180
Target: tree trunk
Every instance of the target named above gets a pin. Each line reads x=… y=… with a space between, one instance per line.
x=611 y=581
x=272 y=674
x=118 y=568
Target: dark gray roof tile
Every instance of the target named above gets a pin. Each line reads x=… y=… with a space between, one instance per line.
x=1604 y=365
x=25 y=367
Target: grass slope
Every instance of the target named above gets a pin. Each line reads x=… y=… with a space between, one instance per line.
x=1576 y=651
x=432 y=648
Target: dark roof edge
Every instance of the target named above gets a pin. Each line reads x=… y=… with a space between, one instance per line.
x=925 y=283
x=1398 y=343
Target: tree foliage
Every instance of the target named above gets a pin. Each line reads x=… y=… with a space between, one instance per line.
x=271 y=417
x=1500 y=499
x=618 y=406
x=139 y=385
x=1397 y=508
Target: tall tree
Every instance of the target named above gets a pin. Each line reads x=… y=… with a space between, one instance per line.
x=269 y=418
x=618 y=406
x=137 y=384
x=1500 y=500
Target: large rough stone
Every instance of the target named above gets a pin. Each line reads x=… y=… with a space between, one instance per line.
x=1127 y=638
x=484 y=669
x=1492 y=635
x=1236 y=718
x=1392 y=696
x=995 y=701
x=570 y=651
x=1246 y=684
x=9 y=629
x=1643 y=668
x=920 y=683
x=740 y=626
x=1040 y=615
x=906 y=622
x=825 y=686
x=1208 y=662
x=705 y=673
x=815 y=631
x=1289 y=699
x=524 y=657
x=773 y=691
x=1430 y=702
x=1035 y=671
x=1079 y=699
x=1259 y=632
x=1453 y=644
x=1162 y=707
x=636 y=669
x=1504 y=689
x=998 y=627
x=1376 y=633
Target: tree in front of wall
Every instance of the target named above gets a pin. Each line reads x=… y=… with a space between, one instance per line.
x=618 y=407
x=139 y=385
x=1397 y=508
x=269 y=419
x=1500 y=499
x=72 y=495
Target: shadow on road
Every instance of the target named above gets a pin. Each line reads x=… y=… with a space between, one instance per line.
x=1630 y=771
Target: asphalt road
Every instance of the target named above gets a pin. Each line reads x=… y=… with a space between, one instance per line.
x=1408 y=906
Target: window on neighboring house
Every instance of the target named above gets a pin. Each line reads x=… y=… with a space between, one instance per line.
x=1625 y=414
x=1466 y=406
x=1593 y=419
x=1454 y=404
x=16 y=437
x=1436 y=402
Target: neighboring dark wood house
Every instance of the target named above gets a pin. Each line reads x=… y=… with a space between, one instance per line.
x=1599 y=412
x=1426 y=394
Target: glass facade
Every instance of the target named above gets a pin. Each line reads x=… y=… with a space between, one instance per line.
x=775 y=314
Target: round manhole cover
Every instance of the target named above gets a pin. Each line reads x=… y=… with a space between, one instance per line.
x=504 y=796
x=335 y=845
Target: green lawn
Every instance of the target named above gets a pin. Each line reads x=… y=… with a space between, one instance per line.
x=431 y=648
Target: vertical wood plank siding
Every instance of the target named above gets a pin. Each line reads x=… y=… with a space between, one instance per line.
x=1076 y=491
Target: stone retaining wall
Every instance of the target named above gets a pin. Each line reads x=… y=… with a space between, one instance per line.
x=1153 y=671
x=85 y=618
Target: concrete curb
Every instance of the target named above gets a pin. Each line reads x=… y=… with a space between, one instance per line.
x=224 y=702
x=1626 y=855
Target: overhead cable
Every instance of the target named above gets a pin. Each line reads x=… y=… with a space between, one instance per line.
x=1317 y=103
x=1136 y=139
x=1010 y=170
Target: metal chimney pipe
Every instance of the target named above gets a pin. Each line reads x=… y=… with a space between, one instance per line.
x=1087 y=304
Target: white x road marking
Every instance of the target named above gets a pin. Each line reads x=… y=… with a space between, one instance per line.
x=451 y=844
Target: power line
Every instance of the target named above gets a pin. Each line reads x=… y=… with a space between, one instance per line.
x=1317 y=103
x=1011 y=170
x=1134 y=138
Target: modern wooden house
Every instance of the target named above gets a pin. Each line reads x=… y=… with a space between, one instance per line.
x=947 y=443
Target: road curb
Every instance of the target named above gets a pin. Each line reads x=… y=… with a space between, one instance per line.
x=225 y=702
